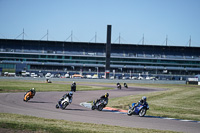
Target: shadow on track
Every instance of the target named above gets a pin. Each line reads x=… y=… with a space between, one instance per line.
x=38 y=102
x=75 y=109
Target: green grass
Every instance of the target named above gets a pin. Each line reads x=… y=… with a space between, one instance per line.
x=178 y=101
x=8 y=70
x=175 y=101
x=21 y=86
x=29 y=123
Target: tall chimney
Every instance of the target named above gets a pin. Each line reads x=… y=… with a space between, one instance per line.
x=108 y=50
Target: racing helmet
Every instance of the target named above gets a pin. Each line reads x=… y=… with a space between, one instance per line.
x=106 y=94
x=144 y=98
x=70 y=93
x=32 y=89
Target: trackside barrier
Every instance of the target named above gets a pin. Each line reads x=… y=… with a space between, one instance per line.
x=194 y=81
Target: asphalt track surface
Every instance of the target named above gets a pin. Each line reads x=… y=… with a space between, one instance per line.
x=43 y=105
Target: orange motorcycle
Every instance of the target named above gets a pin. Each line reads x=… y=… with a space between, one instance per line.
x=28 y=95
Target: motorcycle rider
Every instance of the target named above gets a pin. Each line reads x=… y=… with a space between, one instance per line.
x=69 y=95
x=74 y=83
x=125 y=85
x=32 y=90
x=118 y=85
x=31 y=93
x=104 y=98
x=73 y=86
x=143 y=101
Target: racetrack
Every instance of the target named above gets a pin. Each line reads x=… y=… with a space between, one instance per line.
x=43 y=105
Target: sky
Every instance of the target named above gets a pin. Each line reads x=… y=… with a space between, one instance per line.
x=132 y=21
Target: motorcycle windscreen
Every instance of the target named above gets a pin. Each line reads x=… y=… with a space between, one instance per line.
x=133 y=104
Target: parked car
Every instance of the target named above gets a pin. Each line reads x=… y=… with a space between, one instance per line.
x=134 y=78
x=88 y=76
x=95 y=76
x=140 y=77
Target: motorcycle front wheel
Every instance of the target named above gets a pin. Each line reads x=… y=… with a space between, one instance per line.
x=64 y=105
x=142 y=112
x=57 y=106
x=93 y=107
x=129 y=112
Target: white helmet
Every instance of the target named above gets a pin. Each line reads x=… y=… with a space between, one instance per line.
x=33 y=89
x=144 y=98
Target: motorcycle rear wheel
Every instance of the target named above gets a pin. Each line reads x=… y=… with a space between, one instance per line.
x=142 y=112
x=100 y=108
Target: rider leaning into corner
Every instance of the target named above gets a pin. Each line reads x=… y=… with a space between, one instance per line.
x=118 y=83
x=30 y=93
x=104 y=97
x=69 y=95
x=74 y=83
x=143 y=101
x=73 y=87
x=32 y=90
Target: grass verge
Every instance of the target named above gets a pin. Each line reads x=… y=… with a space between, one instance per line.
x=29 y=123
x=178 y=101
x=21 y=86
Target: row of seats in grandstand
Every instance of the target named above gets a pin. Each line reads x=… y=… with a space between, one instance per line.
x=115 y=66
x=142 y=54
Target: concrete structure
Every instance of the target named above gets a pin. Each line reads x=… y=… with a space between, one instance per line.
x=108 y=51
x=167 y=62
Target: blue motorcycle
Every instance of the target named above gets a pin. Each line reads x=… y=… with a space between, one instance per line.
x=138 y=110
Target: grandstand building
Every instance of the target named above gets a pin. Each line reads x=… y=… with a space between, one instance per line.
x=81 y=57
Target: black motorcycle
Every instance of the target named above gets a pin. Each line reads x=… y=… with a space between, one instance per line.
x=73 y=87
x=119 y=86
x=99 y=105
x=125 y=85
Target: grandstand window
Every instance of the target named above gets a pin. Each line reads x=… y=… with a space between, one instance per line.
x=59 y=57
x=42 y=56
x=51 y=56
x=67 y=57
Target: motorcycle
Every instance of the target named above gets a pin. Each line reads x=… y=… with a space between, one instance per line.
x=99 y=105
x=125 y=85
x=73 y=88
x=119 y=86
x=138 y=110
x=63 y=103
x=48 y=81
x=28 y=95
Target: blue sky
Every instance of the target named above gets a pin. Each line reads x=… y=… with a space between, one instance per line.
x=155 y=19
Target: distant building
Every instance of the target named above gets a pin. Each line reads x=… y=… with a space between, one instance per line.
x=76 y=57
